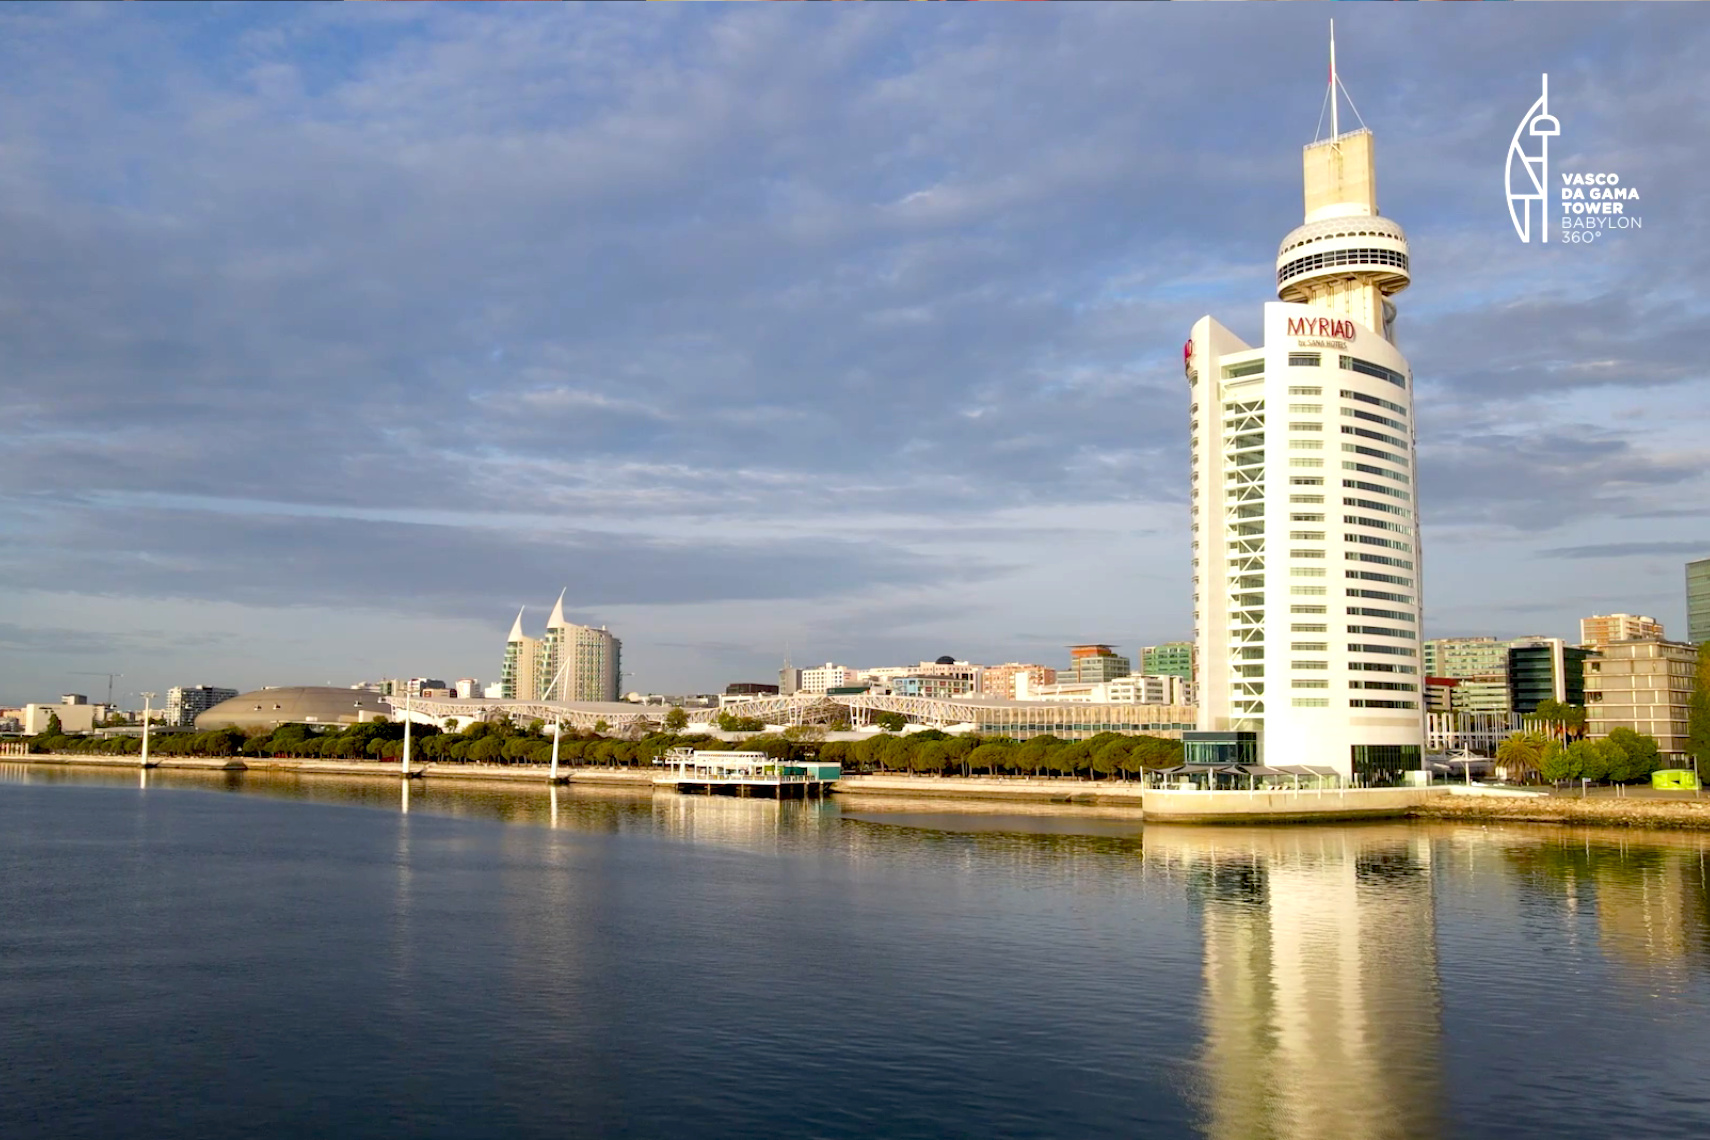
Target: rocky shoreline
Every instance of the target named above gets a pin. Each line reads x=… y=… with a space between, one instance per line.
x=1682 y=814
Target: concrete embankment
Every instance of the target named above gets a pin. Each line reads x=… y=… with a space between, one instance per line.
x=1176 y=805
x=984 y=788
x=521 y=774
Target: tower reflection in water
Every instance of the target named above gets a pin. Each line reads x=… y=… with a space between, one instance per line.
x=1321 y=1007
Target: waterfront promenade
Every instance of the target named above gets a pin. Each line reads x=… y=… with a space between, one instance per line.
x=384 y=770
x=1160 y=805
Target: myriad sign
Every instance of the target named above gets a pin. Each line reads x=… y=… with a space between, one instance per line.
x=1329 y=327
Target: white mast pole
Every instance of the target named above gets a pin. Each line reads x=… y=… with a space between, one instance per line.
x=557 y=731
x=148 y=699
x=1334 y=128
x=407 y=719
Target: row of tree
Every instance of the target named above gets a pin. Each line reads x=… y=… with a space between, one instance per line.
x=1622 y=757
x=930 y=752
x=1565 y=721
x=1698 y=711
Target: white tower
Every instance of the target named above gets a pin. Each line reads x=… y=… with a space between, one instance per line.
x=517 y=675
x=577 y=662
x=1306 y=567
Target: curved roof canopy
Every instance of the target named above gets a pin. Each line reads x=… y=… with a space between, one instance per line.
x=298 y=704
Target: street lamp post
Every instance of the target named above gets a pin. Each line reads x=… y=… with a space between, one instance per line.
x=148 y=699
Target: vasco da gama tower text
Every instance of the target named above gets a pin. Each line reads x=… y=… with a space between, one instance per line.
x=1306 y=569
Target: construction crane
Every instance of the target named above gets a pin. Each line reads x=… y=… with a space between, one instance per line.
x=109 y=677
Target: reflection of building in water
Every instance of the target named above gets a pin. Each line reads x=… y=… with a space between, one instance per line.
x=1644 y=911
x=757 y=825
x=1650 y=900
x=1321 y=1002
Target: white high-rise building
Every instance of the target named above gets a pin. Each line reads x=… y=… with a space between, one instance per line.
x=577 y=662
x=1306 y=568
x=568 y=663
x=184 y=703
x=517 y=674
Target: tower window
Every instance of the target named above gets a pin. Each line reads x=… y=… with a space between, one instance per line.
x=1304 y=360
x=1361 y=396
x=1302 y=391
x=1366 y=367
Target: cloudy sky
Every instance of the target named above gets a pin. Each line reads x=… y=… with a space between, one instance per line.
x=330 y=335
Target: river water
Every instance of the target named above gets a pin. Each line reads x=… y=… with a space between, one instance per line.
x=276 y=956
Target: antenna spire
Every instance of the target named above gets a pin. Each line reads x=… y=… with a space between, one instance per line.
x=1334 y=131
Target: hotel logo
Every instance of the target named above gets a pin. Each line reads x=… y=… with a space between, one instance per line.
x=1321 y=326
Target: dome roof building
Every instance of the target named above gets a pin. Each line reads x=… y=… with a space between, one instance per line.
x=297 y=704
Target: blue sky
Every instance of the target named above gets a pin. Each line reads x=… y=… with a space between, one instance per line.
x=332 y=334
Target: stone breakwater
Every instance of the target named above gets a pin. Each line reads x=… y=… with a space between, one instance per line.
x=1683 y=814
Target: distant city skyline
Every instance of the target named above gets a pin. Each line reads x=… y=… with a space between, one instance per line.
x=336 y=333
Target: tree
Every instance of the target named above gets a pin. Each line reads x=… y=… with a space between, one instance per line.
x=601 y=727
x=992 y=757
x=1554 y=764
x=1698 y=712
x=891 y=721
x=676 y=720
x=1109 y=760
x=1031 y=757
x=1639 y=755
x=1588 y=760
x=1521 y=755
x=1551 y=713
x=1072 y=758
x=487 y=750
x=932 y=757
x=54 y=727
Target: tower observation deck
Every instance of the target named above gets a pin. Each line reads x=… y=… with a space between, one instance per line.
x=1344 y=258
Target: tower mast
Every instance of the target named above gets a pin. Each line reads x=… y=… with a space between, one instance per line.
x=1334 y=130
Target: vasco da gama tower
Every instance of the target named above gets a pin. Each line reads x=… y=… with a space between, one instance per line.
x=1306 y=567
